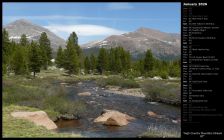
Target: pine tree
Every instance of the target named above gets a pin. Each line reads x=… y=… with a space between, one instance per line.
x=125 y=59
x=71 y=60
x=118 y=63
x=92 y=62
x=60 y=58
x=102 y=61
x=174 y=68
x=148 y=61
x=112 y=60
x=20 y=62
x=87 y=65
x=73 y=41
x=23 y=40
x=6 y=48
x=34 y=58
x=46 y=51
x=5 y=35
x=139 y=66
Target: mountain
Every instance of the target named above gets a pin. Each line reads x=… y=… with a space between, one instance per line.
x=163 y=45
x=33 y=32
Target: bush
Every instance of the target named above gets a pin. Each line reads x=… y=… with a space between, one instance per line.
x=164 y=75
x=174 y=71
x=162 y=91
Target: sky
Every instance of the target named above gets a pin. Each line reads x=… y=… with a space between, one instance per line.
x=96 y=21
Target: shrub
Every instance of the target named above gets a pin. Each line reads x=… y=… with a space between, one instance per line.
x=162 y=91
x=174 y=71
x=164 y=75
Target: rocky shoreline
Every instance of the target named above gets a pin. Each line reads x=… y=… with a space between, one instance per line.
x=137 y=92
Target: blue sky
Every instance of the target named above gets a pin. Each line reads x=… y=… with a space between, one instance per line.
x=95 y=21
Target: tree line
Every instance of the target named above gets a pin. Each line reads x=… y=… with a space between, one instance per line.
x=25 y=57
x=114 y=61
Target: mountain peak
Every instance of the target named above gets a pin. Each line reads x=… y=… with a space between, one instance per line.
x=144 y=29
x=32 y=31
x=23 y=21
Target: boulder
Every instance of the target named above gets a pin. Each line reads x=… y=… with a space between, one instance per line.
x=116 y=120
x=153 y=103
x=52 y=68
x=176 y=121
x=113 y=117
x=79 y=83
x=154 y=115
x=151 y=114
x=156 y=78
x=61 y=69
x=63 y=83
x=139 y=78
x=91 y=102
x=84 y=94
x=38 y=117
x=52 y=60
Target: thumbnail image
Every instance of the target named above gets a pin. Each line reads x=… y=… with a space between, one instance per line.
x=91 y=69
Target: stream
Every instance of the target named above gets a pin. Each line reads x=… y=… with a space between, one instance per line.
x=134 y=106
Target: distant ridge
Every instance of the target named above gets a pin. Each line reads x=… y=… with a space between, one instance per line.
x=162 y=44
x=33 y=32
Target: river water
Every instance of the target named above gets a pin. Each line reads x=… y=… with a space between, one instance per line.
x=134 y=106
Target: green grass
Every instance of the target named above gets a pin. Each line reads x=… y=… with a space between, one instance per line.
x=166 y=91
x=160 y=132
x=27 y=94
x=62 y=76
x=39 y=93
x=21 y=128
x=117 y=81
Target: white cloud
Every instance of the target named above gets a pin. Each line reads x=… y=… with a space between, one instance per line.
x=119 y=6
x=84 y=30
